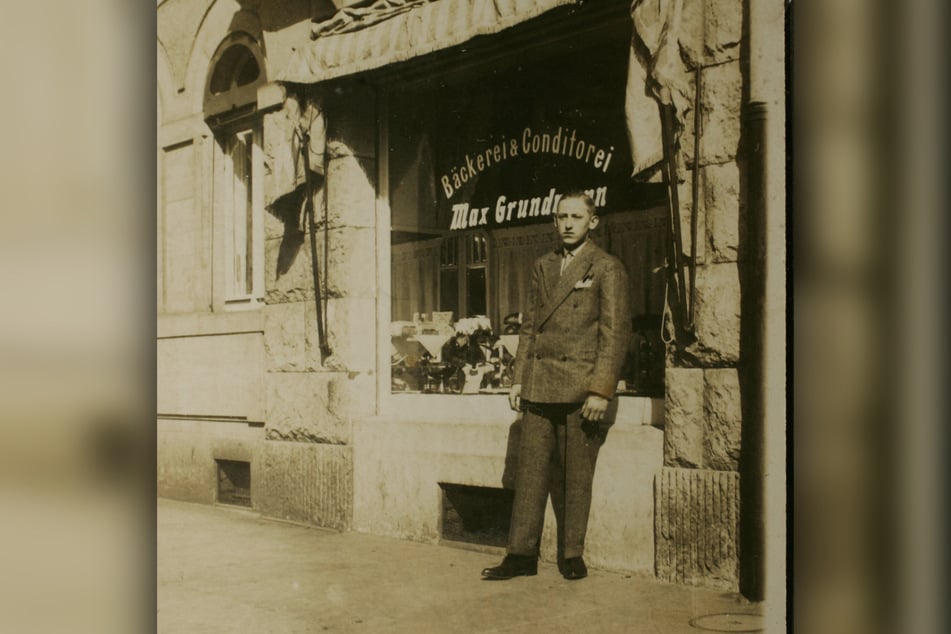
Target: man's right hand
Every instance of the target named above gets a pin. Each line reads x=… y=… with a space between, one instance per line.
x=515 y=396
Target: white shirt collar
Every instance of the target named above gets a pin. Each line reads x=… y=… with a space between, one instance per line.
x=565 y=253
x=568 y=256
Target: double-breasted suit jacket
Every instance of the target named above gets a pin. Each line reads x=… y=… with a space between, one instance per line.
x=577 y=329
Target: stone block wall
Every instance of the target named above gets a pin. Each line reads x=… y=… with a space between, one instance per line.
x=311 y=402
x=703 y=418
x=696 y=494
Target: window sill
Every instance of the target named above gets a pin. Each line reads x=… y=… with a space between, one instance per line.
x=243 y=303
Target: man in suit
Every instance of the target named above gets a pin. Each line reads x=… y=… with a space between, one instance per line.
x=572 y=344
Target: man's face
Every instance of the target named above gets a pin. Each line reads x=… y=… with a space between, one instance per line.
x=573 y=221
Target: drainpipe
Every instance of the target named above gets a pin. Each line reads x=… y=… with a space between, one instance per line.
x=764 y=440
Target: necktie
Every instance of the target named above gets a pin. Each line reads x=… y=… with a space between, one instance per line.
x=566 y=260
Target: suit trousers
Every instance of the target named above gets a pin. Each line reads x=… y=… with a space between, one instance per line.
x=557 y=455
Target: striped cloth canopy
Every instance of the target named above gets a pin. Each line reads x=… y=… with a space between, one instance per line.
x=373 y=34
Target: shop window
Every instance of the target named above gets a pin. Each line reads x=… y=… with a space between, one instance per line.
x=477 y=163
x=236 y=71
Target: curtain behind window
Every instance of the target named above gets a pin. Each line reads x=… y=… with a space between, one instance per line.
x=638 y=239
x=514 y=250
x=414 y=283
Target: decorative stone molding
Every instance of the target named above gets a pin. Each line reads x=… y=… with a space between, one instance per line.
x=696 y=527
x=305 y=482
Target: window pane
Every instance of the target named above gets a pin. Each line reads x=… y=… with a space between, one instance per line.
x=475 y=291
x=414 y=279
x=449 y=291
x=236 y=65
x=243 y=217
x=248 y=71
x=249 y=218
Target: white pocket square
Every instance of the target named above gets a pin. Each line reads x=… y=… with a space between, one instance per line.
x=585 y=283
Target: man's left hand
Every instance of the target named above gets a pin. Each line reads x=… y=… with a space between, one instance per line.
x=594 y=408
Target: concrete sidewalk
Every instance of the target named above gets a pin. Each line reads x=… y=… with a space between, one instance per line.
x=228 y=570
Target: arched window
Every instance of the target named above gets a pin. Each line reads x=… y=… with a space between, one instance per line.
x=236 y=71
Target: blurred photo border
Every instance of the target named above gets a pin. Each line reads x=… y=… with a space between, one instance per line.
x=866 y=293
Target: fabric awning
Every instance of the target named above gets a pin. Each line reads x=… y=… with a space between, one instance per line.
x=383 y=32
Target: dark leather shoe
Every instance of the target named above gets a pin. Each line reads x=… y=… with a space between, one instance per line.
x=512 y=566
x=574 y=568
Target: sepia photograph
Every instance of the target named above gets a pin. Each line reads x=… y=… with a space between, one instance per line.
x=471 y=316
x=474 y=316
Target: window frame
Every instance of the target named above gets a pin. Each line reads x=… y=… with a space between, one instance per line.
x=239 y=99
x=461 y=245
x=236 y=298
x=233 y=114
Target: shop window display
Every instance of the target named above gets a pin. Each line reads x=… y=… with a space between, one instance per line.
x=477 y=165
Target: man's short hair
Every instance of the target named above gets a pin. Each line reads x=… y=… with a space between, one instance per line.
x=581 y=195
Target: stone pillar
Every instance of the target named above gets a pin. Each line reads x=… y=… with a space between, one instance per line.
x=311 y=402
x=697 y=493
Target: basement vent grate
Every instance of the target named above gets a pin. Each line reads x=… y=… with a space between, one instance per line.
x=476 y=515
x=234 y=482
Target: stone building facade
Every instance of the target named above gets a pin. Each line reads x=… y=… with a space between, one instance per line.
x=270 y=386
